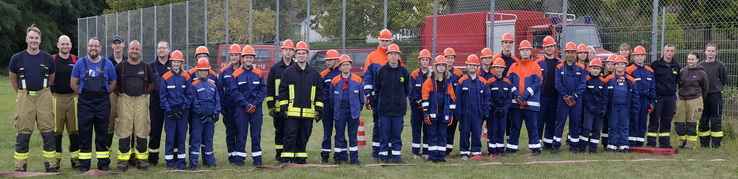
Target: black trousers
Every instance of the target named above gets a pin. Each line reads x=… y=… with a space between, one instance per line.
x=296 y=134
x=659 y=123
x=156 y=115
x=94 y=111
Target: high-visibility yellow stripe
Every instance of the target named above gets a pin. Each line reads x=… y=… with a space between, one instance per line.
x=665 y=134
x=283 y=102
x=288 y=154
x=124 y=156
x=49 y=154
x=269 y=98
x=278 y=146
x=717 y=134
x=102 y=154
x=74 y=154
x=312 y=97
x=301 y=154
x=85 y=155
x=652 y=134
x=292 y=95
x=704 y=134
x=142 y=155
x=692 y=138
x=319 y=104
x=58 y=155
x=684 y=137
x=21 y=155
x=276 y=87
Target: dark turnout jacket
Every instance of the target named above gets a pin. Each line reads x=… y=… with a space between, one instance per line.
x=693 y=83
x=392 y=87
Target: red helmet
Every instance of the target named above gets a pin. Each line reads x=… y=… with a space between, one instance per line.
x=248 y=50
x=486 y=52
x=345 y=58
x=332 y=54
x=499 y=62
x=525 y=45
x=507 y=37
x=582 y=48
x=202 y=50
x=424 y=54
x=176 y=56
x=570 y=46
x=385 y=35
x=472 y=60
x=440 y=60
x=639 y=50
x=595 y=62
x=548 y=41
x=302 y=46
x=235 y=48
x=288 y=44
x=449 y=51
x=393 y=48
x=203 y=64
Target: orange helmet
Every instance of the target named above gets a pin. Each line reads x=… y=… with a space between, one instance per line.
x=385 y=35
x=288 y=44
x=301 y=46
x=176 y=55
x=611 y=58
x=393 y=48
x=507 y=37
x=424 y=54
x=235 y=48
x=345 y=58
x=248 y=50
x=486 y=52
x=582 y=48
x=548 y=41
x=202 y=50
x=620 y=59
x=440 y=60
x=203 y=64
x=472 y=60
x=595 y=62
x=449 y=51
x=570 y=46
x=525 y=45
x=499 y=62
x=332 y=54
x=639 y=50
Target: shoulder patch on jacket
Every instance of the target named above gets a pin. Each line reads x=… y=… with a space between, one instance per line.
x=325 y=72
x=167 y=75
x=225 y=67
x=355 y=78
x=463 y=78
x=258 y=72
x=237 y=73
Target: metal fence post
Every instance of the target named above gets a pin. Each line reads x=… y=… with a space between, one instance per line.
x=654 y=29
x=156 y=20
x=276 y=26
x=385 y=14
x=105 y=33
x=227 y=20
x=343 y=28
x=205 y=25
x=140 y=25
x=187 y=31
x=251 y=21
x=307 y=24
x=562 y=42
x=663 y=27
x=128 y=22
x=117 y=28
x=492 y=24
x=170 y=27
x=435 y=25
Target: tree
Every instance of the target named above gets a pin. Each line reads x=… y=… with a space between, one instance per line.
x=53 y=18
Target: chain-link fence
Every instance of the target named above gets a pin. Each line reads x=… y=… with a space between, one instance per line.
x=352 y=26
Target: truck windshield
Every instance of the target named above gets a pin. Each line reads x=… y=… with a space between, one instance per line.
x=579 y=34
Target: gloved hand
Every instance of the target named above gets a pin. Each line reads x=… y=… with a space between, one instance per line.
x=519 y=100
x=499 y=112
x=272 y=112
x=427 y=120
x=214 y=117
x=170 y=114
x=318 y=116
x=179 y=114
x=203 y=117
x=368 y=105
x=570 y=100
x=283 y=112
x=250 y=108
x=650 y=108
x=450 y=121
x=603 y=114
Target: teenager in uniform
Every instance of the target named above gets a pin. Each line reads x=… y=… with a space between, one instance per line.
x=175 y=100
x=644 y=76
x=94 y=78
x=225 y=88
x=549 y=95
x=438 y=101
x=711 y=124
x=205 y=110
x=117 y=44
x=594 y=101
x=273 y=81
x=300 y=101
x=250 y=90
x=472 y=96
x=30 y=72
x=500 y=96
x=622 y=102
x=417 y=78
x=570 y=79
x=525 y=77
x=331 y=70
x=666 y=73
x=64 y=101
x=450 y=55
x=693 y=86
x=347 y=96
x=392 y=86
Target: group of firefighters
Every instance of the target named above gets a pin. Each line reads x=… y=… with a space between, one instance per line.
x=604 y=100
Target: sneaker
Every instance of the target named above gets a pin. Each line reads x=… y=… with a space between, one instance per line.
x=426 y=156
x=625 y=151
x=193 y=167
x=52 y=170
x=537 y=152
x=144 y=168
x=107 y=169
x=555 y=150
x=464 y=158
x=324 y=158
x=122 y=169
x=337 y=162
x=82 y=170
x=416 y=157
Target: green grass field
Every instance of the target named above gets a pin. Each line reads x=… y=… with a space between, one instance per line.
x=687 y=164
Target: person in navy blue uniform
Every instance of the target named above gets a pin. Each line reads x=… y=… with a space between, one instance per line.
x=594 y=100
x=644 y=76
x=159 y=66
x=525 y=78
x=500 y=94
x=450 y=55
x=331 y=70
x=473 y=98
x=94 y=78
x=175 y=100
x=205 y=110
x=248 y=97
x=666 y=74
x=392 y=86
x=549 y=95
x=622 y=102
x=225 y=78
x=419 y=134
x=570 y=79
x=347 y=96
x=439 y=102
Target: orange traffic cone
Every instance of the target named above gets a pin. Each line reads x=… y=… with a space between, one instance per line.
x=361 y=135
x=484 y=136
